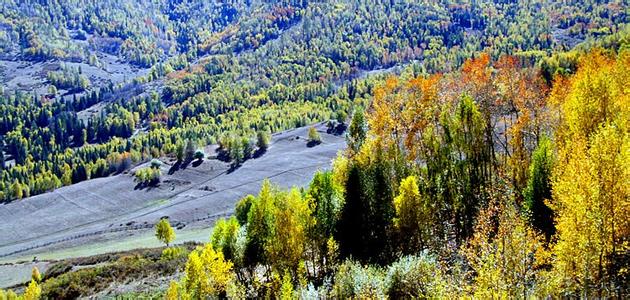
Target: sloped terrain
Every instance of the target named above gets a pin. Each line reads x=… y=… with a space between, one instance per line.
x=107 y=208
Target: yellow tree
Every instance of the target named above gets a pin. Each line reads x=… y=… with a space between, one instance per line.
x=164 y=232
x=504 y=259
x=286 y=244
x=591 y=186
x=208 y=274
x=33 y=291
x=413 y=215
x=172 y=292
x=35 y=275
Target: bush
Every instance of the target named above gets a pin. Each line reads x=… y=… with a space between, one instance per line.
x=313 y=135
x=262 y=140
x=148 y=176
x=413 y=277
x=355 y=281
x=172 y=253
x=156 y=163
x=199 y=155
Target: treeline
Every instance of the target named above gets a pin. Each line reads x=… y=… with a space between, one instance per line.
x=483 y=183
x=50 y=143
x=69 y=78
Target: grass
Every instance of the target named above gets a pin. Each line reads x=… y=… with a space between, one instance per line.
x=144 y=240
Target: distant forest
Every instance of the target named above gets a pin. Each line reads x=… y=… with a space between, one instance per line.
x=230 y=70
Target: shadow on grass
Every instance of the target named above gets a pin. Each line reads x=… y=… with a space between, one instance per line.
x=312 y=144
x=197 y=163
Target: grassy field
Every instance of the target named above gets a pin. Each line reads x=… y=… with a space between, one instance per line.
x=17 y=270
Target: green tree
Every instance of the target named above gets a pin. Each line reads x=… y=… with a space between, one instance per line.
x=223 y=237
x=208 y=274
x=262 y=140
x=357 y=131
x=164 y=232
x=539 y=189
x=313 y=135
x=242 y=208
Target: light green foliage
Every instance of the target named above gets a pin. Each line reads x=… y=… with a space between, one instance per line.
x=263 y=139
x=172 y=253
x=164 y=232
x=208 y=274
x=148 y=176
x=32 y=292
x=242 y=208
x=224 y=235
x=355 y=281
x=357 y=130
x=416 y=277
x=35 y=275
x=286 y=290
x=313 y=135
x=277 y=229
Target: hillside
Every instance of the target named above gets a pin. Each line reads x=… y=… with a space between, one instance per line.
x=104 y=210
x=294 y=149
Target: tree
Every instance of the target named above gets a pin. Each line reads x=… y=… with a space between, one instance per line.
x=364 y=230
x=242 y=208
x=223 y=237
x=505 y=255
x=164 y=232
x=199 y=155
x=16 y=190
x=156 y=163
x=413 y=216
x=313 y=136
x=33 y=291
x=149 y=175
x=327 y=202
x=286 y=245
x=35 y=275
x=208 y=274
x=357 y=131
x=262 y=140
x=172 y=292
x=247 y=148
x=539 y=189
x=190 y=150
x=259 y=224
x=591 y=174
x=180 y=151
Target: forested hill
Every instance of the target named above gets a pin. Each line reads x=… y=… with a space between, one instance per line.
x=488 y=145
x=364 y=34
x=221 y=72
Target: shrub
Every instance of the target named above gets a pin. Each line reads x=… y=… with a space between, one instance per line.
x=172 y=253
x=199 y=154
x=156 y=163
x=313 y=135
x=148 y=176
x=415 y=277
x=355 y=281
x=262 y=140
